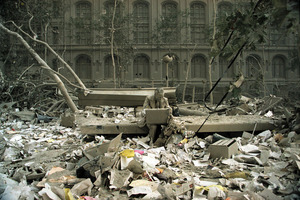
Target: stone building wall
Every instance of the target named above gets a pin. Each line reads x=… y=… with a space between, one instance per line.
x=90 y=55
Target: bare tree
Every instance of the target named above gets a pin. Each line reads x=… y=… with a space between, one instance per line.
x=112 y=34
x=212 y=49
x=187 y=72
x=42 y=63
x=47 y=46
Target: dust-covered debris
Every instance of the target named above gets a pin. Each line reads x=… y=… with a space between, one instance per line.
x=40 y=159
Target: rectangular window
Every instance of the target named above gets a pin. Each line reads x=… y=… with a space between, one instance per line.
x=83 y=29
x=197 y=33
x=141 y=33
x=83 y=37
x=277 y=37
x=141 y=30
x=170 y=32
x=198 y=20
x=56 y=9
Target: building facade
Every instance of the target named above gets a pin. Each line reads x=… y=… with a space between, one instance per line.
x=154 y=28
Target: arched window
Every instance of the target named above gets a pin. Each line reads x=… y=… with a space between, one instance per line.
x=83 y=27
x=224 y=8
x=83 y=10
x=141 y=22
x=253 y=66
x=169 y=8
x=278 y=67
x=223 y=65
x=141 y=67
x=108 y=67
x=84 y=67
x=198 y=20
x=198 y=67
x=109 y=7
x=170 y=22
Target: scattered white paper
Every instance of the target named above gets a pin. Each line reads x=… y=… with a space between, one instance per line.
x=269 y=114
x=249 y=148
x=198 y=163
x=139 y=190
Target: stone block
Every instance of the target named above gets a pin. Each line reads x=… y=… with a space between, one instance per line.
x=223 y=148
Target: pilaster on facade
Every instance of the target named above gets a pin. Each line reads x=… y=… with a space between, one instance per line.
x=139 y=61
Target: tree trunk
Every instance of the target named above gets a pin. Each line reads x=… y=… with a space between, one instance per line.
x=167 y=74
x=187 y=72
x=59 y=83
x=211 y=59
x=299 y=38
x=112 y=44
x=185 y=81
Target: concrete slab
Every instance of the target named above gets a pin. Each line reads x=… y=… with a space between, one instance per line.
x=121 y=96
x=222 y=123
x=95 y=125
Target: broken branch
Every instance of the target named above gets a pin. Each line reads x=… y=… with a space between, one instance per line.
x=59 y=83
x=56 y=55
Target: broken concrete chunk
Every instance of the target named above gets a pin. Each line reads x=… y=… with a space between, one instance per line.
x=25 y=115
x=223 y=149
x=268 y=194
x=68 y=119
x=82 y=188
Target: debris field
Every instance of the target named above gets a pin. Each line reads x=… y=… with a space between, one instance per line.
x=41 y=159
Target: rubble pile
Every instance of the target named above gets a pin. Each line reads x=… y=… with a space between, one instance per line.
x=41 y=95
x=40 y=159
